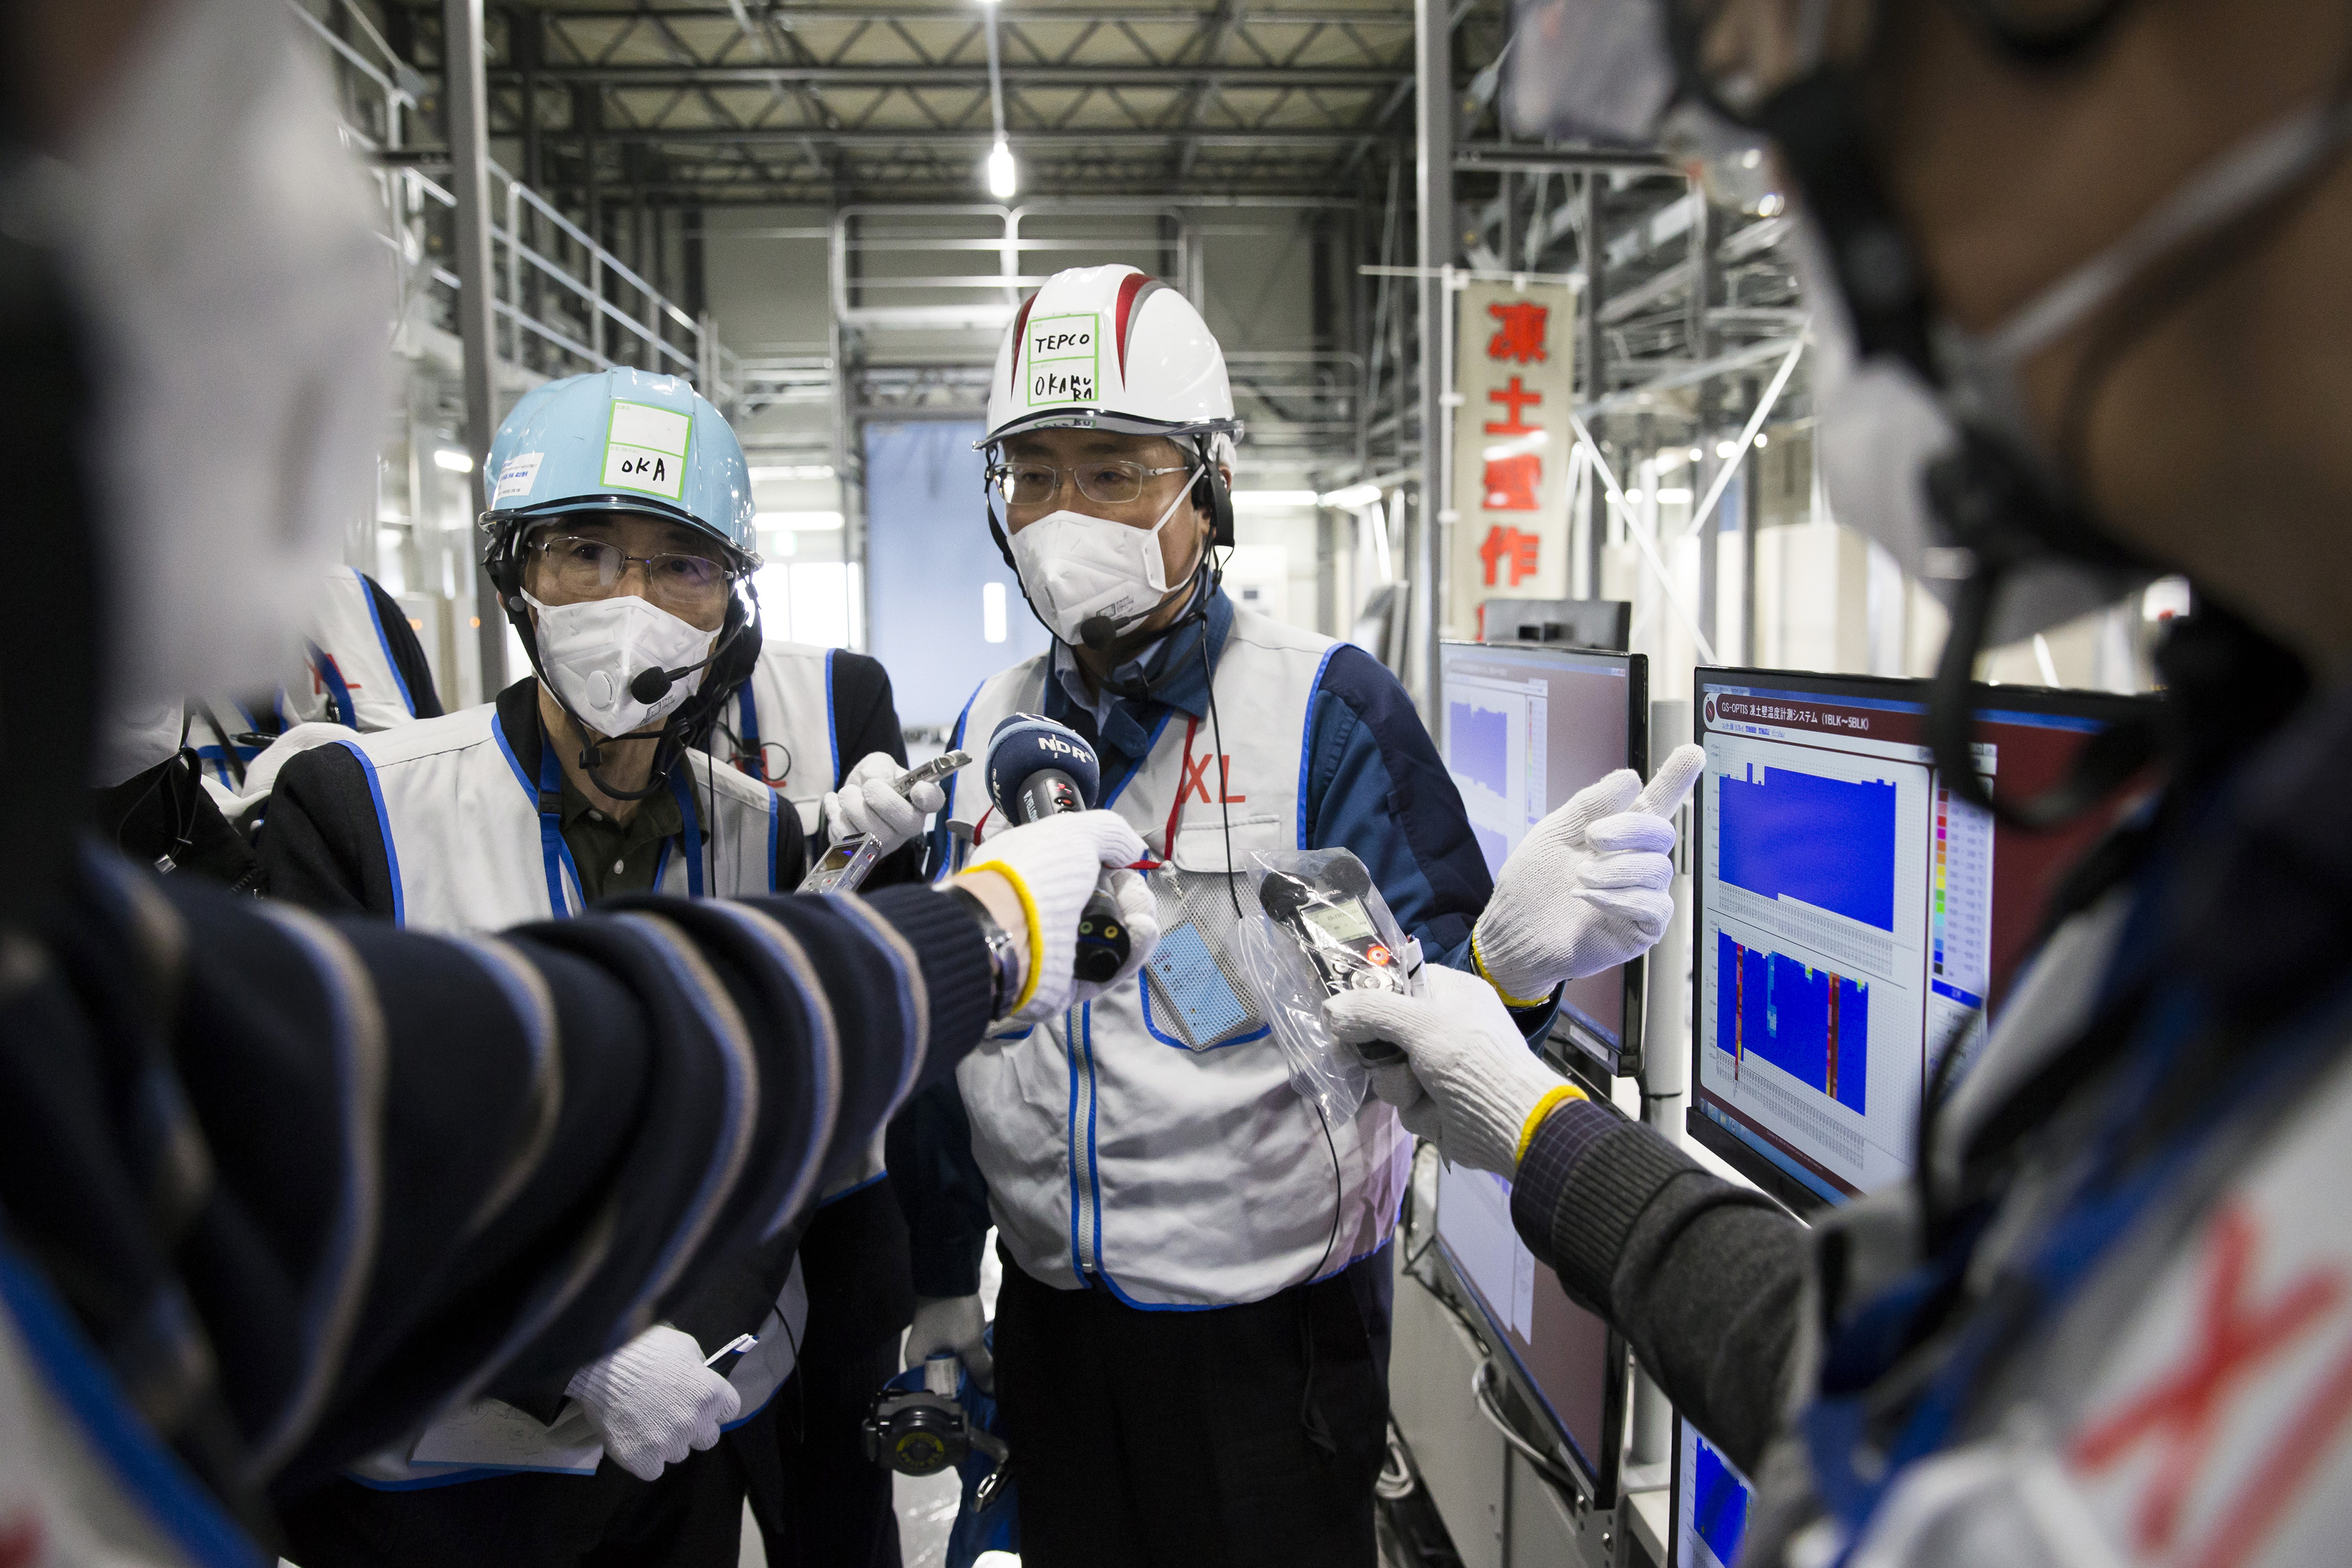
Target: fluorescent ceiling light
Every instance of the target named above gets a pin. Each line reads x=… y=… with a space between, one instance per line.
x=1725 y=448
x=454 y=461
x=792 y=471
x=1351 y=497
x=1671 y=496
x=1003 y=179
x=1260 y=500
x=798 y=522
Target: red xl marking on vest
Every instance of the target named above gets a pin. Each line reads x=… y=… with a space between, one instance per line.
x=1196 y=777
x=21 y=1540
x=2235 y=1338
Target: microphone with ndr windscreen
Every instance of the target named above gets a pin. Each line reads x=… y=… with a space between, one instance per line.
x=1037 y=769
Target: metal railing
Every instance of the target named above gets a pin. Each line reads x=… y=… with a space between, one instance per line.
x=566 y=304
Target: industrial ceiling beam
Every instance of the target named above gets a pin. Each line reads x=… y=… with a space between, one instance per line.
x=961 y=10
x=1204 y=77
x=1471 y=157
x=1209 y=82
x=928 y=136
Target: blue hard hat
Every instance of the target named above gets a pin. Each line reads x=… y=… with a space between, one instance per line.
x=620 y=441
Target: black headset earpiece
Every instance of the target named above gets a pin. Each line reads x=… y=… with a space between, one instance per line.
x=1211 y=493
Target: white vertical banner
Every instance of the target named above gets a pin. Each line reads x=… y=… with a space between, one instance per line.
x=1515 y=367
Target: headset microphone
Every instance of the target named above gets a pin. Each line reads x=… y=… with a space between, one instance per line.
x=1037 y=769
x=650 y=685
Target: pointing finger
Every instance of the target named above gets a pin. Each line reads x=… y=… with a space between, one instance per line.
x=1672 y=781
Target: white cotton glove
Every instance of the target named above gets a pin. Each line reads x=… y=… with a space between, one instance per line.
x=866 y=804
x=954 y=1324
x=1586 y=889
x=1472 y=1085
x=1053 y=864
x=652 y=1400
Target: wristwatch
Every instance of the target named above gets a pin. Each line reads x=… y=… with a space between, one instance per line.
x=1001 y=952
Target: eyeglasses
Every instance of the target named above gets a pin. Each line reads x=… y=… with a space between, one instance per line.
x=1107 y=482
x=592 y=568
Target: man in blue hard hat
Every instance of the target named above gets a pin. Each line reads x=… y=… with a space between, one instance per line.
x=620 y=518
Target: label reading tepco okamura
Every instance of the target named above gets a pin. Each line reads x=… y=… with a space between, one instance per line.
x=1062 y=357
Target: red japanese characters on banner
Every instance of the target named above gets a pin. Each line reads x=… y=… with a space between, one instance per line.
x=1511 y=551
x=1511 y=488
x=1513 y=374
x=1512 y=480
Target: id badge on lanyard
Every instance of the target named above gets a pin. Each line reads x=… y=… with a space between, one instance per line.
x=1197 y=994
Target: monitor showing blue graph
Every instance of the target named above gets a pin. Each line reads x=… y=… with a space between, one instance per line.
x=1712 y=1501
x=1854 y=916
x=1522 y=730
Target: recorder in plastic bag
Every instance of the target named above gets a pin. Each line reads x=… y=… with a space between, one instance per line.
x=1320 y=927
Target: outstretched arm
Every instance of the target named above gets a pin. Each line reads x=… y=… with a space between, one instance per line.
x=305 y=1182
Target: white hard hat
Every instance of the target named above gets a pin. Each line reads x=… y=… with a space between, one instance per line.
x=1111 y=347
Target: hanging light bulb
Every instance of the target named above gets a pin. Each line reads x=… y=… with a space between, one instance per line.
x=1002 y=179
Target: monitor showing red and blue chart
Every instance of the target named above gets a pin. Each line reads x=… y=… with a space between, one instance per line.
x=1854 y=916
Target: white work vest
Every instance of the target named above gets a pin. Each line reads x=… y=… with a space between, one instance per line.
x=784 y=716
x=470 y=850
x=349 y=675
x=1179 y=1176
x=2217 y=1332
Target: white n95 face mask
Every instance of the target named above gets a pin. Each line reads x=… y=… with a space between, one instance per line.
x=1879 y=428
x=1077 y=569
x=592 y=650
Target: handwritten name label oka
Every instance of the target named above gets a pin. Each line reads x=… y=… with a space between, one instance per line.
x=645 y=449
x=1063 y=359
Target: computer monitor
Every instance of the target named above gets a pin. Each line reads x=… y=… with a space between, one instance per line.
x=1523 y=728
x=1583 y=623
x=1711 y=1504
x=1853 y=918
x=1566 y=1362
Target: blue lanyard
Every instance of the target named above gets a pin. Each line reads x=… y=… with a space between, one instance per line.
x=338 y=691
x=552 y=849
x=747 y=710
x=557 y=854
x=683 y=792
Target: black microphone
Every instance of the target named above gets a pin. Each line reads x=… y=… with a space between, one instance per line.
x=1037 y=769
x=650 y=685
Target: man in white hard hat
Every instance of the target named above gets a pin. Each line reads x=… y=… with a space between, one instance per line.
x=1190 y=1341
